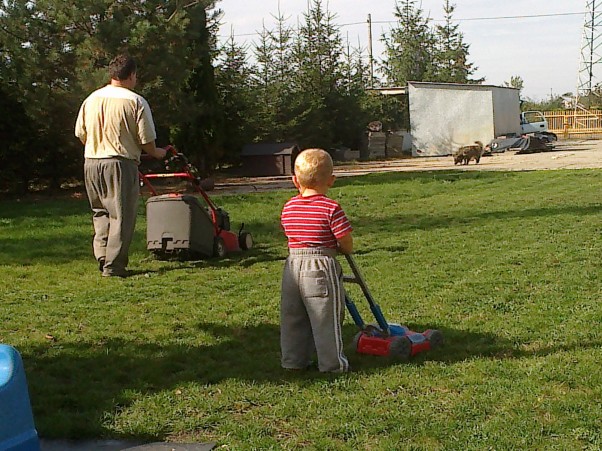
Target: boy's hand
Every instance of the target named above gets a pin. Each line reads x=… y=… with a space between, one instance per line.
x=346 y=244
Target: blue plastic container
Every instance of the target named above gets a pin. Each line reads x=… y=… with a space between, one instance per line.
x=17 y=430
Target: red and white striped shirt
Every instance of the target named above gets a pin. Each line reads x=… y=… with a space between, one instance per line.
x=314 y=221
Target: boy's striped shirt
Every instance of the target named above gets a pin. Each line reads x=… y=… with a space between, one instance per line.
x=314 y=221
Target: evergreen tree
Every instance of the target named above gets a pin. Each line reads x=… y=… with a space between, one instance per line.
x=357 y=108
x=272 y=81
x=54 y=53
x=200 y=133
x=450 y=62
x=516 y=81
x=233 y=80
x=18 y=145
x=409 y=46
x=315 y=93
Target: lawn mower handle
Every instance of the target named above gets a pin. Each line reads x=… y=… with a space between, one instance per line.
x=374 y=307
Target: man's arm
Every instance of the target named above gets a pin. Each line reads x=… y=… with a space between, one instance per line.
x=80 y=126
x=154 y=151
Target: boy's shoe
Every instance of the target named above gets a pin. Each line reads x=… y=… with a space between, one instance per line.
x=348 y=370
x=310 y=365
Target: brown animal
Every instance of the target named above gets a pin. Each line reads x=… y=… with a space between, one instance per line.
x=466 y=153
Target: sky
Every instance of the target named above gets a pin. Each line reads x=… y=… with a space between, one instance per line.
x=506 y=37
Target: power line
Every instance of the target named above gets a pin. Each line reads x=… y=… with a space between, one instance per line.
x=531 y=16
x=468 y=19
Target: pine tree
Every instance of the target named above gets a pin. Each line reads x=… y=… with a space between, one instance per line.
x=450 y=62
x=272 y=82
x=233 y=80
x=200 y=133
x=356 y=107
x=516 y=81
x=409 y=46
x=54 y=53
x=315 y=96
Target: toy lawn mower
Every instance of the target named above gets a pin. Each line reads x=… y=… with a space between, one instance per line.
x=384 y=339
x=184 y=225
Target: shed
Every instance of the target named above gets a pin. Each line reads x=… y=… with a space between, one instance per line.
x=445 y=116
x=264 y=159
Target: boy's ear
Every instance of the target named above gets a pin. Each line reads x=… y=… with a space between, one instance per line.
x=331 y=180
x=296 y=182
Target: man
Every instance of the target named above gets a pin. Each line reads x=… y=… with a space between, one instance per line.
x=115 y=125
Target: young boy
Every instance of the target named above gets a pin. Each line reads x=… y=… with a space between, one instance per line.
x=313 y=300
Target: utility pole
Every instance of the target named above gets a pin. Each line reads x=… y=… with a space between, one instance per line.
x=370 y=51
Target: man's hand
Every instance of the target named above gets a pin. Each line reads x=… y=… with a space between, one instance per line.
x=155 y=152
x=161 y=153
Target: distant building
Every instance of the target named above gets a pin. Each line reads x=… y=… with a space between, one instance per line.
x=446 y=116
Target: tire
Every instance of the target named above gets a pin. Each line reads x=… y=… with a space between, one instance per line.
x=435 y=338
x=245 y=241
x=159 y=255
x=356 y=340
x=219 y=247
x=400 y=348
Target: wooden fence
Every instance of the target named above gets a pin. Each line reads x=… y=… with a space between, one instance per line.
x=575 y=123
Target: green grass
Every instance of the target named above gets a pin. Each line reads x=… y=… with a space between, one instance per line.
x=506 y=264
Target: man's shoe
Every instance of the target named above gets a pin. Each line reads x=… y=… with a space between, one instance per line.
x=123 y=274
x=101 y=264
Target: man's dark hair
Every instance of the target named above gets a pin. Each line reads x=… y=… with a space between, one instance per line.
x=121 y=67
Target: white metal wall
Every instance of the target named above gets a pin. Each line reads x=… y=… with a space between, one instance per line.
x=506 y=111
x=444 y=117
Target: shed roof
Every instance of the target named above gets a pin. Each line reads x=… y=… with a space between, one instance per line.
x=457 y=86
x=269 y=149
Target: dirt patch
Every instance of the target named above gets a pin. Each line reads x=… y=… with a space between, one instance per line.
x=570 y=154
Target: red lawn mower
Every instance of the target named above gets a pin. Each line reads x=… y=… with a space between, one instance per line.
x=384 y=339
x=184 y=225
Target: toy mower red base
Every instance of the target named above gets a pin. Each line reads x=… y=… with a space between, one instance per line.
x=384 y=339
x=402 y=343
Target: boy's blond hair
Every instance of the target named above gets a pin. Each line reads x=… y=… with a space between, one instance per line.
x=313 y=167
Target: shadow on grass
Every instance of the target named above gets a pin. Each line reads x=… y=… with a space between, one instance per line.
x=405 y=222
x=421 y=176
x=61 y=247
x=54 y=242
x=74 y=385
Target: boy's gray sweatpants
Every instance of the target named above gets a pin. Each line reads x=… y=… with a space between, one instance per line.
x=312 y=308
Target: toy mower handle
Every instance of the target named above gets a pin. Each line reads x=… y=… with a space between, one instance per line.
x=374 y=307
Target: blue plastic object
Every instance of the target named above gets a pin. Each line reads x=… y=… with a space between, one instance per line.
x=17 y=430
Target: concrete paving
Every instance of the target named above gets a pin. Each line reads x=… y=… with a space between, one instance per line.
x=570 y=154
